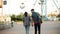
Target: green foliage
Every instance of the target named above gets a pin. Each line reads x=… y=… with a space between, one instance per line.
x=13 y=17
x=20 y=16
x=17 y=17
x=58 y=16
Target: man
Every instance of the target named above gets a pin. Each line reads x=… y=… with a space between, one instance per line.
x=36 y=21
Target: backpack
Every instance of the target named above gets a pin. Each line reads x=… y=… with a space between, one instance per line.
x=40 y=20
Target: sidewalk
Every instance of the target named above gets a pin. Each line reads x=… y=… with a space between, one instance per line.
x=4 y=26
x=46 y=28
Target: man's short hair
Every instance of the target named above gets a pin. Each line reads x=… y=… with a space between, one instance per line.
x=32 y=9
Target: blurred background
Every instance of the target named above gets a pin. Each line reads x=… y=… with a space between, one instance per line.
x=11 y=11
x=49 y=9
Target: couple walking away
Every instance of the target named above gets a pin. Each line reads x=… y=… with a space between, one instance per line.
x=36 y=21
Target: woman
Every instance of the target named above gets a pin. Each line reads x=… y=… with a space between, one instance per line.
x=26 y=22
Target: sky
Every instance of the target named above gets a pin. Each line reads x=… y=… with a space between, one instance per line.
x=13 y=6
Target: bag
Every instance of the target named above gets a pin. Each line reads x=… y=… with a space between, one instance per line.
x=40 y=20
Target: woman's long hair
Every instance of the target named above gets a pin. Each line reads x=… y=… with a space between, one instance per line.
x=25 y=14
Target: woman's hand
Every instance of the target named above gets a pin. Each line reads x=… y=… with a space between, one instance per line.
x=32 y=24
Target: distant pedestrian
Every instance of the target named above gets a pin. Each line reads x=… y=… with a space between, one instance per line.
x=12 y=23
x=26 y=22
x=36 y=20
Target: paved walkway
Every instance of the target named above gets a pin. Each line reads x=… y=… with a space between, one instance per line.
x=48 y=27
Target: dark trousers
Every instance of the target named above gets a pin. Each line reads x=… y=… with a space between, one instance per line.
x=37 y=28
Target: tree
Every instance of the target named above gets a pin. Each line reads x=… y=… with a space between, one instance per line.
x=58 y=16
x=17 y=17
x=20 y=16
x=13 y=17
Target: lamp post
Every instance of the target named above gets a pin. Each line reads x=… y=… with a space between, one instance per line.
x=3 y=8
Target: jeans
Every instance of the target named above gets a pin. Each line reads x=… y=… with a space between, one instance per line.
x=37 y=28
x=27 y=29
